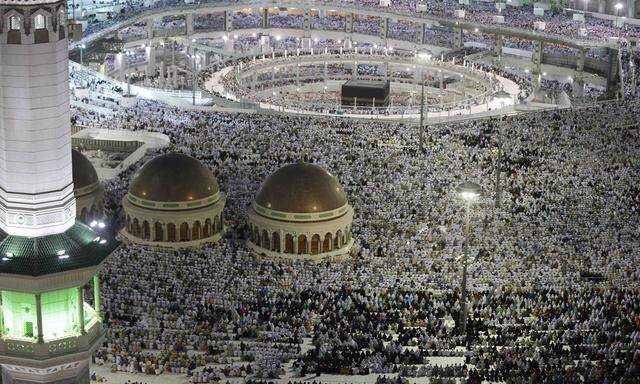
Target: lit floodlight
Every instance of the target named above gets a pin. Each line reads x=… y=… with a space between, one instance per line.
x=101 y=225
x=469 y=191
x=61 y=252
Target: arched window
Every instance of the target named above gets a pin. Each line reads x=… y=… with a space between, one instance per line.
x=275 y=242
x=14 y=23
x=219 y=224
x=288 y=243
x=159 y=233
x=265 y=239
x=315 y=244
x=135 y=228
x=146 y=230
x=256 y=236
x=171 y=232
x=195 y=231
x=40 y=22
x=184 y=232
x=326 y=244
x=302 y=244
x=206 y=231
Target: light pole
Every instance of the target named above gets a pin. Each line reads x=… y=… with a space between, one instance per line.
x=502 y=97
x=618 y=7
x=194 y=77
x=423 y=57
x=468 y=192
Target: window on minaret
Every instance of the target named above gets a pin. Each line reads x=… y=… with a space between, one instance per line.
x=14 y=23
x=40 y=22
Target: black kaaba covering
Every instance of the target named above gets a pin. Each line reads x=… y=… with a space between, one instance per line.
x=365 y=93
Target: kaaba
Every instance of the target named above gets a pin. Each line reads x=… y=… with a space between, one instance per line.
x=366 y=93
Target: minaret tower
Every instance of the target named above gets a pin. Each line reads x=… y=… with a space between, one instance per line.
x=47 y=259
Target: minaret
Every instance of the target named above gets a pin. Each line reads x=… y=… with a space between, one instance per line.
x=47 y=259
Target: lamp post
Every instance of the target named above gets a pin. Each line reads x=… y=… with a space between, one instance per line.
x=502 y=97
x=423 y=57
x=193 y=75
x=618 y=7
x=469 y=192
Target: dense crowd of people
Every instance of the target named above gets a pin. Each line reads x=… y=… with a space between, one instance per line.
x=554 y=281
x=553 y=274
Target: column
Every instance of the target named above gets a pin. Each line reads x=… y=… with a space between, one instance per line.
x=150 y=28
x=189 y=22
x=441 y=74
x=228 y=44
x=120 y=64
x=228 y=21
x=281 y=239
x=497 y=49
x=348 y=23
x=295 y=244
x=265 y=18
x=421 y=31
x=384 y=28
x=162 y=74
x=577 y=88
x=81 y=311
x=631 y=8
x=536 y=74
x=306 y=23
x=96 y=293
x=602 y=5
x=39 y=318
x=612 y=71
x=151 y=59
x=458 y=41
x=325 y=71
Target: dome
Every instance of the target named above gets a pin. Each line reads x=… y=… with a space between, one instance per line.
x=84 y=174
x=301 y=188
x=174 y=177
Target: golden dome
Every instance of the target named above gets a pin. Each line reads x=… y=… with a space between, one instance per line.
x=301 y=188
x=173 y=177
x=84 y=175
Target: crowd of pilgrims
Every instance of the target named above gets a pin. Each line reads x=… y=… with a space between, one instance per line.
x=553 y=278
x=557 y=21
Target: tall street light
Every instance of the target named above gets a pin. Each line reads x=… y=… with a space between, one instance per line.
x=618 y=7
x=423 y=57
x=469 y=192
x=502 y=97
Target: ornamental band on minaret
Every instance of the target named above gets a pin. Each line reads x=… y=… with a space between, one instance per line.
x=47 y=259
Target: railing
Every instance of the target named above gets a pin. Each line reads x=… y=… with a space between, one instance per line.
x=31 y=349
x=341 y=7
